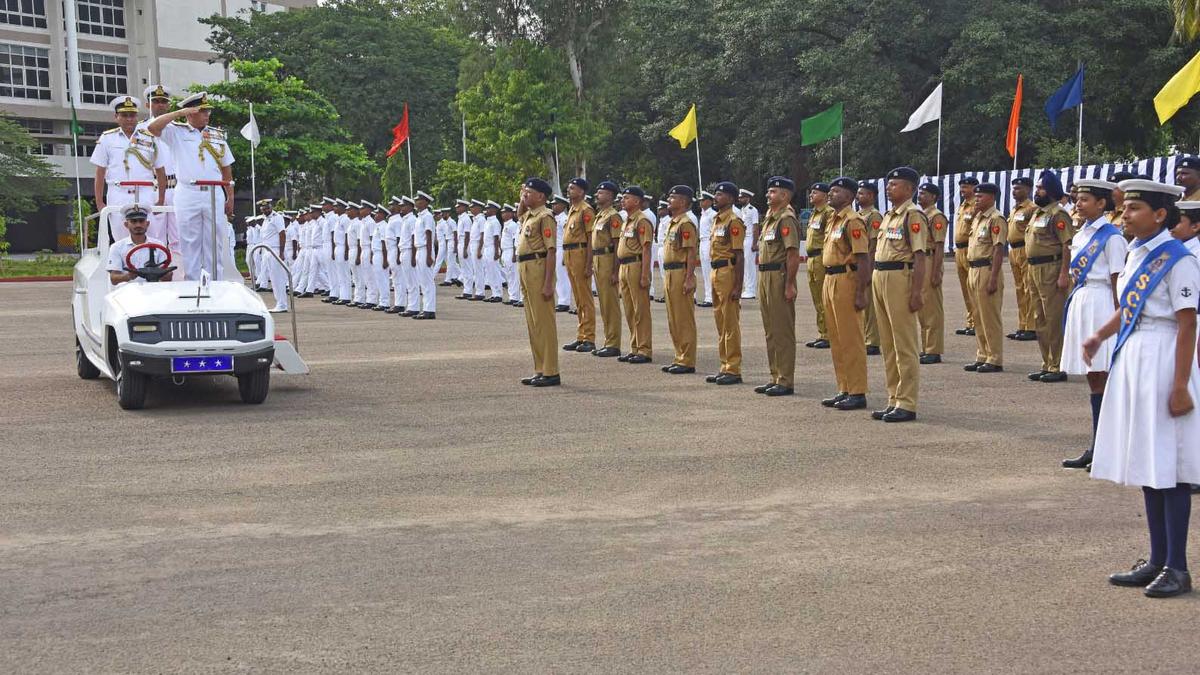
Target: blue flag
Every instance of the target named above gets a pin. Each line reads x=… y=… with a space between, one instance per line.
x=1068 y=96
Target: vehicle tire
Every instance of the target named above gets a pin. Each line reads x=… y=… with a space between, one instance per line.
x=131 y=389
x=255 y=385
x=83 y=365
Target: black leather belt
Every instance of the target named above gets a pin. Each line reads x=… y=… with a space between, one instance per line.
x=839 y=269
x=572 y=247
x=981 y=262
x=530 y=256
x=630 y=260
x=770 y=267
x=602 y=251
x=812 y=252
x=892 y=266
x=961 y=246
x=674 y=266
x=718 y=264
x=1043 y=259
x=1017 y=244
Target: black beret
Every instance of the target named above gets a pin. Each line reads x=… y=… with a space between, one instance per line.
x=540 y=185
x=635 y=191
x=987 y=189
x=581 y=183
x=823 y=187
x=968 y=180
x=868 y=185
x=608 y=185
x=684 y=191
x=845 y=183
x=905 y=173
x=1118 y=176
x=727 y=187
x=782 y=182
x=931 y=189
x=1188 y=162
x=1027 y=182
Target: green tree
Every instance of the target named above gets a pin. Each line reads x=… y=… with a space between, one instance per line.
x=26 y=180
x=1187 y=19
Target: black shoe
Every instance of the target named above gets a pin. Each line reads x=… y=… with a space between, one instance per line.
x=779 y=391
x=379 y=308
x=1058 y=376
x=677 y=369
x=408 y=313
x=426 y=316
x=928 y=359
x=1081 y=462
x=571 y=346
x=712 y=379
x=477 y=298
x=872 y=350
x=972 y=367
x=530 y=379
x=494 y=299
x=573 y=311
x=965 y=331
x=624 y=357
x=852 y=402
x=1015 y=335
x=547 y=381
x=445 y=283
x=305 y=295
x=728 y=378
x=586 y=347
x=561 y=308
x=638 y=358
x=819 y=343
x=1141 y=574
x=704 y=304
x=989 y=368
x=900 y=415
x=1036 y=377
x=1169 y=583
x=607 y=352
x=1027 y=336
x=327 y=300
x=834 y=400
x=464 y=296
x=518 y=304
x=762 y=388
x=660 y=300
x=880 y=414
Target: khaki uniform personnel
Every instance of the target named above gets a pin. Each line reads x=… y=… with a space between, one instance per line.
x=728 y=242
x=577 y=258
x=604 y=259
x=899 y=268
x=818 y=226
x=1117 y=215
x=778 y=261
x=680 y=257
x=985 y=256
x=633 y=256
x=847 y=275
x=932 y=316
x=868 y=195
x=1018 y=258
x=1048 y=244
x=1187 y=176
x=962 y=238
x=535 y=255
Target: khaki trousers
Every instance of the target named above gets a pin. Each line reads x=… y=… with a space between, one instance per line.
x=581 y=288
x=637 y=308
x=681 y=317
x=848 y=350
x=610 y=299
x=1049 y=303
x=816 y=284
x=960 y=263
x=870 y=324
x=989 y=331
x=779 y=323
x=932 y=316
x=1018 y=261
x=539 y=318
x=727 y=312
x=898 y=337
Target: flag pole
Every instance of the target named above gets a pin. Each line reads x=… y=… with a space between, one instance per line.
x=73 y=89
x=464 y=149
x=939 y=146
x=841 y=164
x=408 y=146
x=699 y=178
x=1016 y=147
x=1079 y=144
x=253 y=189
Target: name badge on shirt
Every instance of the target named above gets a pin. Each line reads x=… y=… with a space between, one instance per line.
x=720 y=232
x=1041 y=223
x=1022 y=217
x=769 y=236
x=814 y=224
x=894 y=233
x=630 y=234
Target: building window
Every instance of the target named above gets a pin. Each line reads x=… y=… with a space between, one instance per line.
x=42 y=149
x=28 y=13
x=93 y=128
x=102 y=17
x=37 y=126
x=258 y=6
x=103 y=77
x=24 y=72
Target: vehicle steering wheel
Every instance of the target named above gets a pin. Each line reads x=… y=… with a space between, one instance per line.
x=155 y=271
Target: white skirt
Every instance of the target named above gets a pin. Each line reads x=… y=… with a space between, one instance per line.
x=1091 y=307
x=1138 y=442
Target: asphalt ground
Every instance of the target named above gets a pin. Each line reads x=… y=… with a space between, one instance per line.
x=409 y=506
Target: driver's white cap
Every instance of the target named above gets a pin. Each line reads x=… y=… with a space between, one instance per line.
x=135 y=212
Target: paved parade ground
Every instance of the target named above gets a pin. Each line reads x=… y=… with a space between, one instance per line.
x=409 y=506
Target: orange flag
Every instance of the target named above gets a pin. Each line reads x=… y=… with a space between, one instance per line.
x=1014 y=120
x=399 y=133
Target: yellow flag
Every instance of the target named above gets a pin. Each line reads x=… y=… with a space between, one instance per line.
x=1178 y=90
x=686 y=132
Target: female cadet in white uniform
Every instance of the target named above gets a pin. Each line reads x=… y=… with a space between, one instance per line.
x=1097 y=257
x=1149 y=426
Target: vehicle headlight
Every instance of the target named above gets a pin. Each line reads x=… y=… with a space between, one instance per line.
x=144 y=326
x=250 y=326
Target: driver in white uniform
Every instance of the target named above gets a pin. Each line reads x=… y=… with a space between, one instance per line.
x=136 y=222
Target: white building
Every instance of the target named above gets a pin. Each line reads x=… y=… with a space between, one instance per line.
x=124 y=46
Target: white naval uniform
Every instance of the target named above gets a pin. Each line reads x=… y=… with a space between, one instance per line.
x=660 y=236
x=383 y=284
x=272 y=227
x=193 y=204
x=495 y=279
x=1092 y=305
x=121 y=247
x=465 y=268
x=425 y=273
x=749 y=216
x=508 y=246
x=1137 y=441
x=478 y=271
x=163 y=225
x=251 y=262
x=445 y=254
x=705 y=232
x=341 y=253
x=124 y=158
x=357 y=256
x=562 y=281
x=412 y=288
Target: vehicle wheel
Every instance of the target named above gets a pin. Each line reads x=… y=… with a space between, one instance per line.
x=83 y=365
x=131 y=389
x=254 y=385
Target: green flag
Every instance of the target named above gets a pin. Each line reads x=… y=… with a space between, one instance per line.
x=822 y=126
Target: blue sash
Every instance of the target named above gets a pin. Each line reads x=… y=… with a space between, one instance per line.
x=1082 y=264
x=1152 y=271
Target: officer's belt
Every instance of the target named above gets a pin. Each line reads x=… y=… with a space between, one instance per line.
x=840 y=269
x=674 y=265
x=892 y=266
x=960 y=246
x=770 y=267
x=812 y=252
x=572 y=247
x=1017 y=244
x=172 y=181
x=611 y=248
x=1043 y=259
x=630 y=260
x=531 y=256
x=718 y=264
x=979 y=262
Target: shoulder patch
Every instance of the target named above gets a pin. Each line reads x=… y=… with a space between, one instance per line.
x=1061 y=224
x=179 y=123
x=110 y=131
x=786 y=230
x=916 y=226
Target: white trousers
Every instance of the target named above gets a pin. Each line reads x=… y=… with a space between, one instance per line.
x=278 y=276
x=399 y=291
x=426 y=281
x=383 y=296
x=194 y=216
x=750 y=272
x=562 y=282
x=452 y=270
x=706 y=269
x=469 y=275
x=509 y=269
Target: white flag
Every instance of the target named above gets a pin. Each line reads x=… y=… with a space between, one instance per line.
x=250 y=131
x=929 y=111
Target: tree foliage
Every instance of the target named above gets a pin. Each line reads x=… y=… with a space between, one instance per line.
x=26 y=180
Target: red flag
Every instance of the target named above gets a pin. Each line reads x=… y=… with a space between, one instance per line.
x=1014 y=120
x=399 y=133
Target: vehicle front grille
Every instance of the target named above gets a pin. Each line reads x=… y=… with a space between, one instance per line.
x=197 y=328
x=194 y=330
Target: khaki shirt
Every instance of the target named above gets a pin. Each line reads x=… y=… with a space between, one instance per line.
x=537 y=231
x=728 y=234
x=779 y=232
x=1019 y=220
x=905 y=231
x=963 y=222
x=1193 y=196
x=818 y=228
x=846 y=237
x=873 y=218
x=636 y=236
x=607 y=227
x=939 y=223
x=579 y=224
x=681 y=236
x=1116 y=217
x=991 y=231
x=1048 y=231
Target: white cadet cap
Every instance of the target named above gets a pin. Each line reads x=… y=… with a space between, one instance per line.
x=421 y=194
x=156 y=91
x=492 y=205
x=745 y=193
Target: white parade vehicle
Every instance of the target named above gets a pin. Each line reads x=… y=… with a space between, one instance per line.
x=148 y=328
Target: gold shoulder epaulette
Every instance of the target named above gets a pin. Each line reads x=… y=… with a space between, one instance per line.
x=111 y=131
